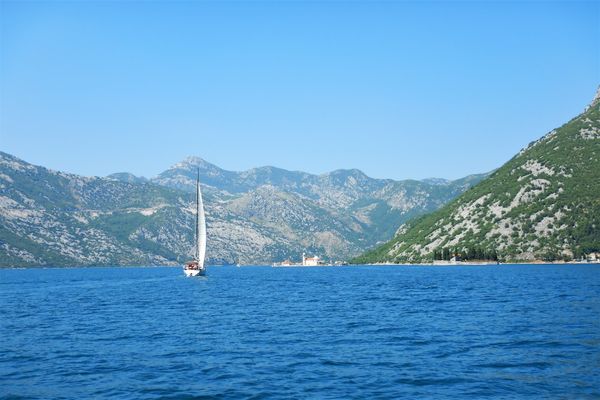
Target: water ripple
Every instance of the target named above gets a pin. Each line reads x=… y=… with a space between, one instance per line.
x=263 y=333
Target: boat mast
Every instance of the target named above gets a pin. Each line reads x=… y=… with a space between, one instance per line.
x=200 y=225
x=197 y=255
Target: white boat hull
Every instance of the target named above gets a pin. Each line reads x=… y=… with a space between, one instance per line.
x=194 y=272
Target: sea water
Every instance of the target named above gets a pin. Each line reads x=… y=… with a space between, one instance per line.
x=334 y=332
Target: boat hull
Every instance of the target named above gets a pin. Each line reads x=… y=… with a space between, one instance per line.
x=194 y=272
x=193 y=268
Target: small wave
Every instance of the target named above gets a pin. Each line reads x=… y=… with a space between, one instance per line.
x=500 y=365
x=337 y=363
x=431 y=381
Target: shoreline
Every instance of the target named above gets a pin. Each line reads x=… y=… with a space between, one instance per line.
x=437 y=264
x=467 y=263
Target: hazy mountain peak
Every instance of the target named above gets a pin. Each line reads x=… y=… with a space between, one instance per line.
x=267 y=169
x=436 y=181
x=193 y=162
x=127 y=177
x=347 y=173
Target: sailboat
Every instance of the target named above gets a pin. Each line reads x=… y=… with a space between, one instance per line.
x=196 y=267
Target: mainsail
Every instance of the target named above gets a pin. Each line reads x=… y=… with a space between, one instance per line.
x=200 y=226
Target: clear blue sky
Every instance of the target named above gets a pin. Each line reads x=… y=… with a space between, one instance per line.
x=396 y=89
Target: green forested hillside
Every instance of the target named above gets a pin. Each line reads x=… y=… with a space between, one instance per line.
x=542 y=204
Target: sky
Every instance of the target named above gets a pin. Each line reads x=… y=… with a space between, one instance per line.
x=397 y=89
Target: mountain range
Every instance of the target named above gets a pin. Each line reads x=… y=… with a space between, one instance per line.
x=543 y=204
x=262 y=215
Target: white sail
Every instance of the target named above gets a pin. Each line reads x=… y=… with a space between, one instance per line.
x=196 y=266
x=200 y=228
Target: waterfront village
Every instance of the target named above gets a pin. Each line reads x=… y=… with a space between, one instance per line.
x=314 y=261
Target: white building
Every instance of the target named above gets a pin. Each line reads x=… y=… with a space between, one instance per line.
x=310 y=261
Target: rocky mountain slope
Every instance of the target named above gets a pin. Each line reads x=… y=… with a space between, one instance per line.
x=374 y=207
x=257 y=216
x=542 y=204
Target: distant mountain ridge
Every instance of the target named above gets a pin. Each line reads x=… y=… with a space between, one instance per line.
x=543 y=204
x=257 y=216
x=336 y=188
x=379 y=206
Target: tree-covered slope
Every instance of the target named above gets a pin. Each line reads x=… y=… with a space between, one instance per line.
x=542 y=204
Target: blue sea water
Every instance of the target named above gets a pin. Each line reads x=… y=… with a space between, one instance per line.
x=339 y=332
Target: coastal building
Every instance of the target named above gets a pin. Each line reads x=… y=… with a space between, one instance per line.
x=310 y=261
